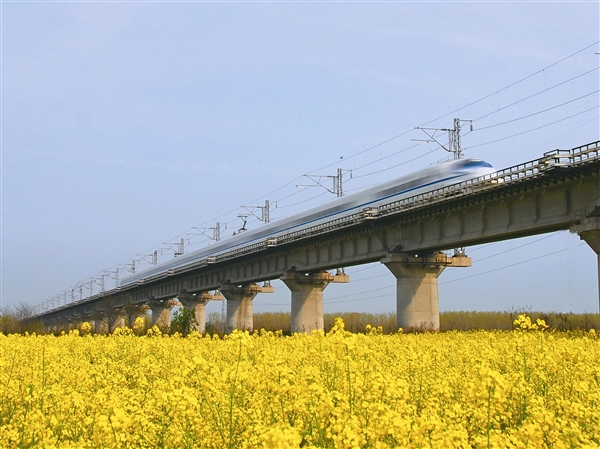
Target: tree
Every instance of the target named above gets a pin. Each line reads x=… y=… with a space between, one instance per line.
x=8 y=323
x=184 y=321
x=23 y=313
x=215 y=324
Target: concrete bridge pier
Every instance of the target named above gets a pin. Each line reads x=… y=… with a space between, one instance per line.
x=307 y=298
x=239 y=304
x=417 y=301
x=98 y=324
x=161 y=312
x=589 y=231
x=197 y=303
x=119 y=322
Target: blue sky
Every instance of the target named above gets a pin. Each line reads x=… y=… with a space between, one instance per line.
x=126 y=124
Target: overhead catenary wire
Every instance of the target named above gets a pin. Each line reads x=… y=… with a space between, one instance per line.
x=478 y=145
x=535 y=129
x=486 y=115
x=398 y=165
x=566 y=58
x=535 y=113
x=546 y=143
x=478 y=101
x=536 y=94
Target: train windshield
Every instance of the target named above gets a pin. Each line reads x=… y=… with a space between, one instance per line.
x=472 y=163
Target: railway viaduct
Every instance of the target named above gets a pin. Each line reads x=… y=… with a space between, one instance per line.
x=559 y=191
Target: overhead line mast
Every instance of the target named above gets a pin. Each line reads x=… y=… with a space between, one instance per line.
x=338 y=187
x=265 y=211
x=454 y=144
x=454 y=147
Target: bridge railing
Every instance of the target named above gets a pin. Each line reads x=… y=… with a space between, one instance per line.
x=586 y=152
x=516 y=173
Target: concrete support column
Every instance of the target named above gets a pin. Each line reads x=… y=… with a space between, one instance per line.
x=417 y=301
x=161 y=312
x=119 y=322
x=307 y=298
x=589 y=231
x=197 y=303
x=98 y=325
x=239 y=304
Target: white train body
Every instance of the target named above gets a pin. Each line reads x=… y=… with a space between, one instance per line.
x=430 y=178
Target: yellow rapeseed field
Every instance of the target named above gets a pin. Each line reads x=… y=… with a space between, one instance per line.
x=526 y=388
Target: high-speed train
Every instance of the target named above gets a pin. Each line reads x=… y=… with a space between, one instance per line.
x=430 y=178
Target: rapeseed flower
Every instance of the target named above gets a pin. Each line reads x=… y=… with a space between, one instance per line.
x=336 y=390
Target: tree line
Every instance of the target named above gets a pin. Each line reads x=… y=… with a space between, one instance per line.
x=17 y=319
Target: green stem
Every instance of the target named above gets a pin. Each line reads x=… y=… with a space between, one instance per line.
x=350 y=399
x=231 y=396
